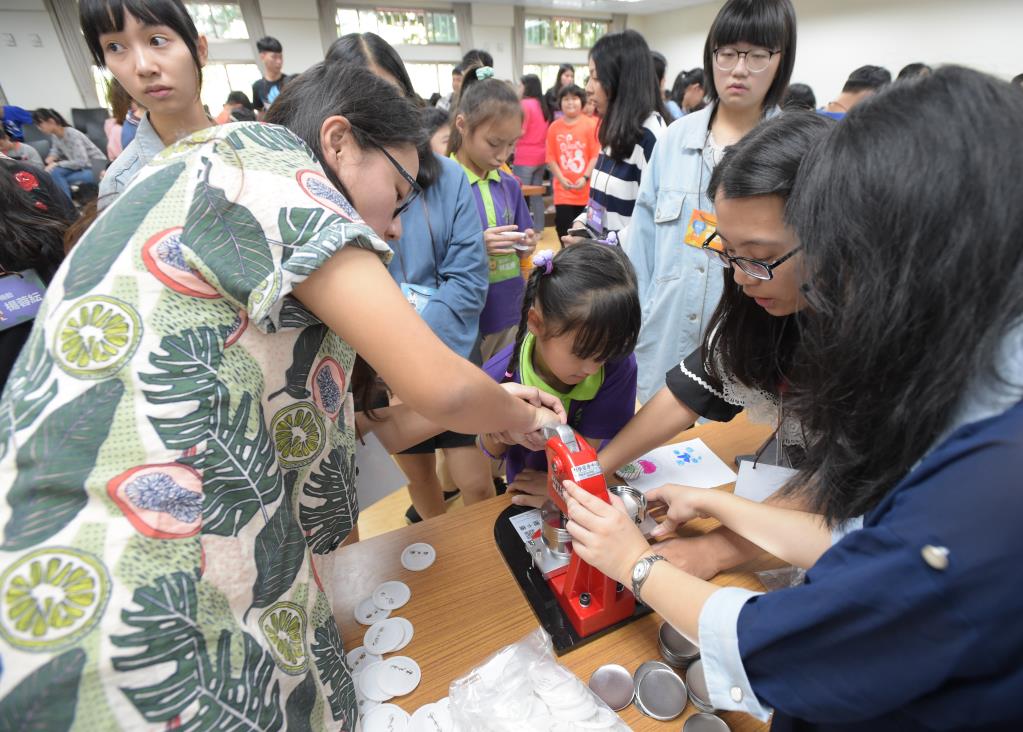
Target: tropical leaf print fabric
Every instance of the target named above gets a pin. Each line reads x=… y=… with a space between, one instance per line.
x=177 y=457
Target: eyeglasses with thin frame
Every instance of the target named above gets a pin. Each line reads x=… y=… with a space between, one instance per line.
x=755 y=268
x=415 y=190
x=727 y=58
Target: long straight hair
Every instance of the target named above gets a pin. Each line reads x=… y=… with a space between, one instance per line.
x=625 y=70
x=531 y=89
x=911 y=225
x=749 y=344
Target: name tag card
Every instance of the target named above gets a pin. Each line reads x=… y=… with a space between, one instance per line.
x=21 y=294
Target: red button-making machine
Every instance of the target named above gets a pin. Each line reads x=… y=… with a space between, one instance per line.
x=573 y=600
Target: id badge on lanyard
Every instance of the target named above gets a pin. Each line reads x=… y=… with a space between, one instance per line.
x=596 y=217
x=702 y=225
x=21 y=294
x=418 y=296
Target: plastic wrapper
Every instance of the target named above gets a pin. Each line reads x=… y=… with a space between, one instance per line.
x=780 y=579
x=522 y=688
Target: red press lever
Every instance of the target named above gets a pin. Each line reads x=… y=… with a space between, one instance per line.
x=591 y=600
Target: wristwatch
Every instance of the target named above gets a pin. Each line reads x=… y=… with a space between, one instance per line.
x=641 y=570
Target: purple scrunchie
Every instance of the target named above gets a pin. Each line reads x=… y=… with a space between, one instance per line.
x=545 y=259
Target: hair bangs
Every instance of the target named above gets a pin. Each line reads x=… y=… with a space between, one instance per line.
x=107 y=16
x=751 y=22
x=606 y=325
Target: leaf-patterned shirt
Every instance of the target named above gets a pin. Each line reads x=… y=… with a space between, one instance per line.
x=177 y=457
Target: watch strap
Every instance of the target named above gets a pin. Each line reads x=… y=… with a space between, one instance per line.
x=637 y=584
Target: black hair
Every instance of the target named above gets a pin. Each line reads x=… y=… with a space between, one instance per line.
x=626 y=73
x=767 y=23
x=269 y=44
x=45 y=114
x=660 y=65
x=867 y=78
x=1018 y=79
x=481 y=101
x=910 y=71
x=237 y=97
x=800 y=96
x=379 y=114
x=909 y=310
x=592 y=292
x=243 y=114
x=368 y=50
x=531 y=89
x=477 y=57
x=561 y=70
x=107 y=16
x=33 y=222
x=683 y=81
x=571 y=90
x=457 y=69
x=433 y=119
x=751 y=345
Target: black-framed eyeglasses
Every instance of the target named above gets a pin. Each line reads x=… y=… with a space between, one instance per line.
x=415 y=190
x=727 y=58
x=756 y=268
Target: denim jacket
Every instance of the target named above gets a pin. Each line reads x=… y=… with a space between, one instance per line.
x=441 y=246
x=678 y=286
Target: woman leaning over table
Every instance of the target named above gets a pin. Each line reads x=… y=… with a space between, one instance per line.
x=910 y=361
x=177 y=438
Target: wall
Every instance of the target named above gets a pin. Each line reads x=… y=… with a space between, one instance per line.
x=34 y=76
x=294 y=23
x=836 y=36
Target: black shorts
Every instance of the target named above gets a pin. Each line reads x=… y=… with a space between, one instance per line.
x=437 y=442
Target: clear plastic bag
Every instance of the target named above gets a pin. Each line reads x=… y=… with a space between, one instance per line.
x=522 y=688
x=780 y=579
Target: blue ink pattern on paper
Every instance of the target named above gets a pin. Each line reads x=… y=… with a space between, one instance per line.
x=687 y=456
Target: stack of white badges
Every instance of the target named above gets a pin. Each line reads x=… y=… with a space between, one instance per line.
x=378 y=679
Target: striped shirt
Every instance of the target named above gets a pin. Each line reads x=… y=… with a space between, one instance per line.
x=614 y=184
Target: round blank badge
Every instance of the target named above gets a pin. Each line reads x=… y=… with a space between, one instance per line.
x=432 y=718
x=398 y=676
x=385 y=718
x=384 y=636
x=418 y=557
x=368 y=612
x=391 y=595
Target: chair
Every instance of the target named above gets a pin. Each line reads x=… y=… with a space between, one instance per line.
x=42 y=147
x=91 y=121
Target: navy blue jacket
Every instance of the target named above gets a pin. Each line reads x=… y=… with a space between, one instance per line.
x=878 y=639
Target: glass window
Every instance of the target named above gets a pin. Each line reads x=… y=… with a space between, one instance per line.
x=430 y=78
x=552 y=32
x=548 y=73
x=218 y=21
x=220 y=79
x=400 y=26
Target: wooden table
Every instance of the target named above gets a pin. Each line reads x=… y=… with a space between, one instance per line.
x=528 y=191
x=467 y=605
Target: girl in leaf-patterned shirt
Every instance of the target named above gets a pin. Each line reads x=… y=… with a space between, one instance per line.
x=177 y=438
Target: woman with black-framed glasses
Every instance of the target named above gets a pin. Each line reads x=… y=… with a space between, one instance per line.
x=746 y=352
x=747 y=62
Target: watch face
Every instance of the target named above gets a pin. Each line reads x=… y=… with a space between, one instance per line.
x=639 y=570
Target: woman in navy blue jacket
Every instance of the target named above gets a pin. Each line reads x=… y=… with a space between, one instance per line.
x=908 y=382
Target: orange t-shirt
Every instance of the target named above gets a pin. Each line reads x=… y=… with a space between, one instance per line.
x=572 y=147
